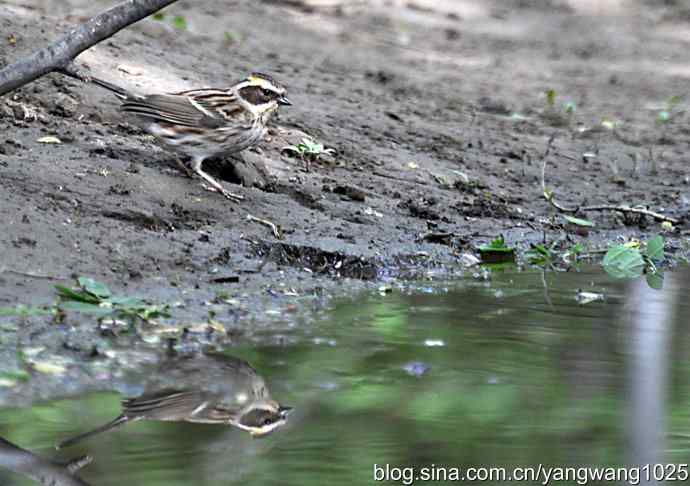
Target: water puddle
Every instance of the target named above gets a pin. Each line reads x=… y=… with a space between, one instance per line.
x=517 y=370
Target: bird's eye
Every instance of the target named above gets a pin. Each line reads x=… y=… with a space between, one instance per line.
x=268 y=421
x=267 y=92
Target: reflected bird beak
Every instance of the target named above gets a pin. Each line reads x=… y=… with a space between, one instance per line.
x=284 y=411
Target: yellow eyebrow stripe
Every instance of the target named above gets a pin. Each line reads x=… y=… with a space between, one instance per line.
x=262 y=83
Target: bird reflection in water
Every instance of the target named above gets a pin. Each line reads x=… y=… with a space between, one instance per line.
x=210 y=389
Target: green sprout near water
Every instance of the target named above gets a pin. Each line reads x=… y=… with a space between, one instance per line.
x=93 y=297
x=496 y=252
x=634 y=259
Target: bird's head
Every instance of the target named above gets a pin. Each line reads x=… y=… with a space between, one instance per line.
x=262 y=419
x=261 y=93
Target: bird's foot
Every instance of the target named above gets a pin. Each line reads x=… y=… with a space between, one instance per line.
x=224 y=192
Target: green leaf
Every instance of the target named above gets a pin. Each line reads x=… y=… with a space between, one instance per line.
x=93 y=287
x=576 y=248
x=67 y=294
x=127 y=301
x=158 y=16
x=551 y=97
x=663 y=117
x=655 y=248
x=539 y=255
x=570 y=107
x=623 y=262
x=497 y=244
x=578 y=221
x=655 y=280
x=179 y=22
x=674 y=100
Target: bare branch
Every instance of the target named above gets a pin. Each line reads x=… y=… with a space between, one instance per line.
x=59 y=55
x=628 y=209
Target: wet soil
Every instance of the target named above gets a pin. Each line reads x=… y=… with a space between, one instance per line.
x=438 y=115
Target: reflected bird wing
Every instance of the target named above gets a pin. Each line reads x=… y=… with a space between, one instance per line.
x=168 y=405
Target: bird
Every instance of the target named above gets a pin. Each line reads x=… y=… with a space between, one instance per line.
x=222 y=390
x=206 y=122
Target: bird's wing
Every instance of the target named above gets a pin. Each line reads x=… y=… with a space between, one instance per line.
x=216 y=103
x=165 y=405
x=176 y=109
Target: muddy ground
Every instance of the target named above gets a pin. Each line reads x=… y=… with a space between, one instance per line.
x=438 y=114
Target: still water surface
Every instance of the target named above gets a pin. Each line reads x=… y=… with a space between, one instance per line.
x=497 y=372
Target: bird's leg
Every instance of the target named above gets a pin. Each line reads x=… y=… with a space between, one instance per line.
x=184 y=167
x=215 y=185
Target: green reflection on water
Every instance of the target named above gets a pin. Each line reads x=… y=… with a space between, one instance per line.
x=515 y=378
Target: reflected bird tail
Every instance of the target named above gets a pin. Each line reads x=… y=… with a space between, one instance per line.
x=122 y=419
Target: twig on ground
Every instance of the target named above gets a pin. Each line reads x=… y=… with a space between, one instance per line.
x=629 y=209
x=622 y=208
x=59 y=55
x=32 y=274
x=274 y=228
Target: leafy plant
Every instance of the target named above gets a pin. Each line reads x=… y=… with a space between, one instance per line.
x=555 y=114
x=94 y=297
x=308 y=149
x=633 y=259
x=669 y=112
x=550 y=256
x=496 y=252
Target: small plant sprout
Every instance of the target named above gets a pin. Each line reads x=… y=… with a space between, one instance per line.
x=93 y=297
x=177 y=21
x=669 y=112
x=558 y=116
x=496 y=252
x=308 y=150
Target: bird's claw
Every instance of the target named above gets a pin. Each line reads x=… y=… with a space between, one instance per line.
x=224 y=192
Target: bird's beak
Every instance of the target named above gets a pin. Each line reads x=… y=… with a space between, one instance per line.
x=284 y=411
x=284 y=101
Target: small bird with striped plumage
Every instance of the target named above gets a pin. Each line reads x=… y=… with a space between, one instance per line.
x=206 y=122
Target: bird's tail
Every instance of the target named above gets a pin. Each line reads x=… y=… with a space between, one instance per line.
x=122 y=419
x=119 y=92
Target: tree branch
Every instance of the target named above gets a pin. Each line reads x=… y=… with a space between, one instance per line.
x=59 y=55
